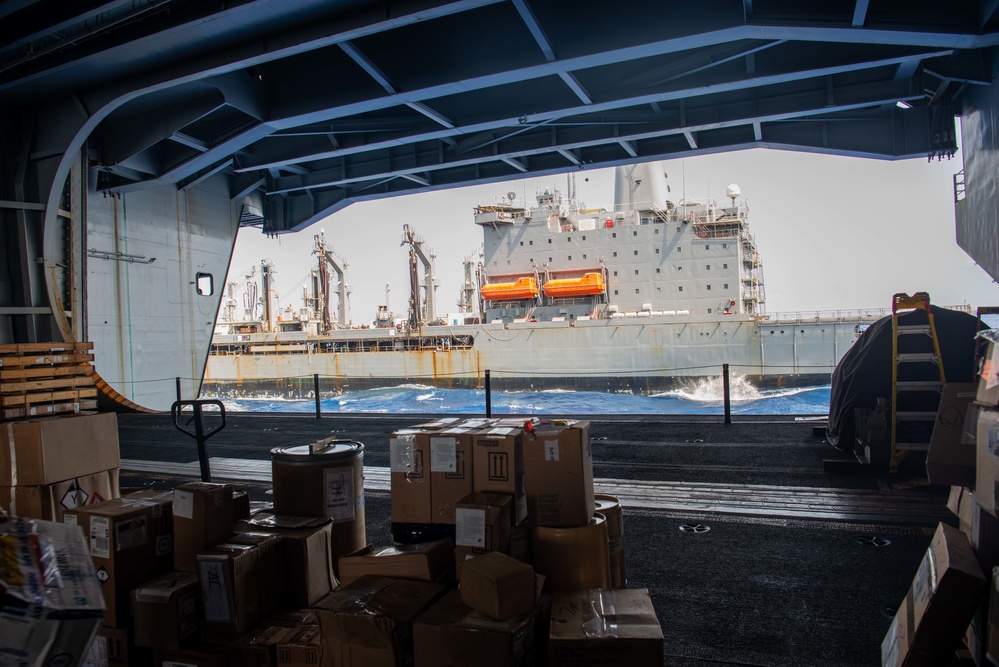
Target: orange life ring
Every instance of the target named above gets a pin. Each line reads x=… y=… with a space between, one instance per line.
x=703 y=234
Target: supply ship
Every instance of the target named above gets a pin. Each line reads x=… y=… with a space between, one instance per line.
x=644 y=297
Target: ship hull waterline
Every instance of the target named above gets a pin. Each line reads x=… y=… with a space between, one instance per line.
x=634 y=356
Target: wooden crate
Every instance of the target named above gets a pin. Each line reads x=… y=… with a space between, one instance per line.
x=39 y=379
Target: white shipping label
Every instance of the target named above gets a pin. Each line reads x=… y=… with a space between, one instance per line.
x=992 y=440
x=339 y=489
x=100 y=537
x=551 y=450
x=97 y=656
x=70 y=518
x=402 y=454
x=130 y=533
x=183 y=504
x=470 y=527
x=442 y=455
x=215 y=591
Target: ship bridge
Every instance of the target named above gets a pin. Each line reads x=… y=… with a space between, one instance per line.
x=138 y=136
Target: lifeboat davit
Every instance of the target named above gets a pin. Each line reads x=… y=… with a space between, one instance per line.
x=588 y=285
x=521 y=288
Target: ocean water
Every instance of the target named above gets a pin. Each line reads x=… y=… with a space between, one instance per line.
x=701 y=398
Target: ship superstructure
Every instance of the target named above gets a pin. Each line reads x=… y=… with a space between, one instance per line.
x=639 y=297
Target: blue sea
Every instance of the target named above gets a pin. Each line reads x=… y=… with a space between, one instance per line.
x=701 y=398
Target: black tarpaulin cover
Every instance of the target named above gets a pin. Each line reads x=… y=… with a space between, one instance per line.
x=864 y=373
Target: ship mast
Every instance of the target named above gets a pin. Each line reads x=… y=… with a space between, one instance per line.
x=420 y=254
x=327 y=259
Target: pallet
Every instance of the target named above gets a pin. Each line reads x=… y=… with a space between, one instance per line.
x=45 y=409
x=38 y=379
x=21 y=355
x=72 y=396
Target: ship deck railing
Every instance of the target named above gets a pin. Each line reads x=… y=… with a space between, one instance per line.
x=400 y=343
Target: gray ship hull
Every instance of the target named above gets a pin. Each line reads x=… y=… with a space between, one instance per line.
x=639 y=355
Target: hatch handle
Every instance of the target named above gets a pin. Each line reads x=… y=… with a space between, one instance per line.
x=199 y=434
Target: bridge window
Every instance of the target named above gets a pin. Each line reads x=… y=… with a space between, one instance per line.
x=549 y=240
x=636 y=272
x=724 y=266
x=657 y=251
x=521 y=243
x=679 y=288
x=707 y=267
x=707 y=247
x=709 y=287
x=205 y=284
x=615 y=253
x=636 y=253
x=615 y=273
x=657 y=230
x=613 y=235
x=725 y=286
x=638 y=291
x=635 y=233
x=658 y=270
x=570 y=258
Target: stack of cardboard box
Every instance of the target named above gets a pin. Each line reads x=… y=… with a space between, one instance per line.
x=954 y=592
x=53 y=464
x=518 y=497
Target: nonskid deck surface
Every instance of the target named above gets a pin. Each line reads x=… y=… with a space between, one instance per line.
x=787 y=573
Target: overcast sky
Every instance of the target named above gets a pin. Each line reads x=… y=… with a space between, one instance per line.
x=833 y=232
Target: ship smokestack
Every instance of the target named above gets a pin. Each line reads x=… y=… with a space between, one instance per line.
x=635 y=186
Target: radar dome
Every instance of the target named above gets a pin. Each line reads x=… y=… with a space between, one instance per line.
x=733 y=191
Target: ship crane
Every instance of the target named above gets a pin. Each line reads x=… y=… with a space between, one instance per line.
x=419 y=251
x=233 y=287
x=466 y=298
x=321 y=286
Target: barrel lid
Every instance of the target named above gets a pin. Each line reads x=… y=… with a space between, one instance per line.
x=605 y=502
x=326 y=450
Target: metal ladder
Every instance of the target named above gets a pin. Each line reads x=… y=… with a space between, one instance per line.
x=911 y=374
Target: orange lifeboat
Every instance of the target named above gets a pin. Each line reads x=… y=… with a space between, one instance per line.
x=521 y=288
x=588 y=285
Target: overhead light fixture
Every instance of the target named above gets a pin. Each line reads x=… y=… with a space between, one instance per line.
x=902 y=104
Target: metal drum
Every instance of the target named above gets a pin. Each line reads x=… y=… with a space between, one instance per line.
x=609 y=508
x=572 y=558
x=324 y=479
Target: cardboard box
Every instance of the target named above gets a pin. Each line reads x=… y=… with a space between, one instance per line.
x=308 y=554
x=498 y=586
x=960 y=502
x=950 y=459
x=483 y=525
x=51 y=501
x=167 y=611
x=409 y=476
x=121 y=536
x=241 y=505
x=203 y=655
x=895 y=646
x=498 y=466
x=115 y=647
x=203 y=515
x=259 y=647
x=451 y=634
x=302 y=648
x=429 y=561
x=945 y=594
x=241 y=581
x=64 y=618
x=621 y=631
x=984 y=537
x=987 y=461
x=161 y=503
x=558 y=466
x=450 y=472
x=54 y=449
x=369 y=622
x=988 y=380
